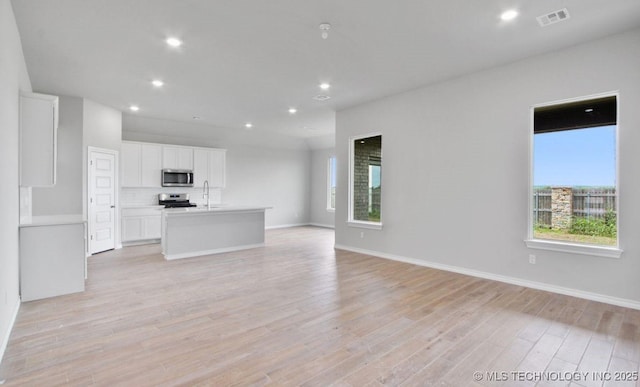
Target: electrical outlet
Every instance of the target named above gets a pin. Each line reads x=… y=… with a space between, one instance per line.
x=361 y=234
x=532 y=259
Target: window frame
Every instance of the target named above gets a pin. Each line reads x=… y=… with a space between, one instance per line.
x=562 y=246
x=329 y=180
x=350 y=220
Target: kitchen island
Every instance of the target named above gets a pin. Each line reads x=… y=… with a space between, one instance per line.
x=196 y=231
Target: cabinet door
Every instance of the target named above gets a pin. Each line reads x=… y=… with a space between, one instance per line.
x=200 y=166
x=169 y=157
x=38 y=140
x=217 y=160
x=132 y=228
x=185 y=158
x=177 y=157
x=151 y=165
x=152 y=227
x=130 y=164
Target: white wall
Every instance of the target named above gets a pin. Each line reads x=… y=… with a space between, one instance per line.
x=319 y=180
x=101 y=128
x=261 y=169
x=456 y=168
x=66 y=196
x=13 y=78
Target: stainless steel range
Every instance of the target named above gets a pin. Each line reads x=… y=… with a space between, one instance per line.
x=175 y=200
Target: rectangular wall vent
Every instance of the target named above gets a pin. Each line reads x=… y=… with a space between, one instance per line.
x=553 y=17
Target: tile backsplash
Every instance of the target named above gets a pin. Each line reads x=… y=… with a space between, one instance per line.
x=149 y=196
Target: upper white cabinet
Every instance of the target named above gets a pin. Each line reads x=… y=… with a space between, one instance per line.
x=141 y=164
x=177 y=157
x=130 y=164
x=209 y=164
x=151 y=164
x=38 y=139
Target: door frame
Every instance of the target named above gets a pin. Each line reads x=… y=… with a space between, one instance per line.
x=89 y=192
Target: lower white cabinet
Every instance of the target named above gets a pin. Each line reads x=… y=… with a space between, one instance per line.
x=140 y=224
x=52 y=260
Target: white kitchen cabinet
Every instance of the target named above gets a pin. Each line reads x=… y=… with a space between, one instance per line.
x=38 y=139
x=130 y=162
x=209 y=164
x=141 y=164
x=177 y=157
x=139 y=224
x=151 y=165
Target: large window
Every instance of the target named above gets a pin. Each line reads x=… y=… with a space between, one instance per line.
x=574 y=193
x=365 y=181
x=331 y=184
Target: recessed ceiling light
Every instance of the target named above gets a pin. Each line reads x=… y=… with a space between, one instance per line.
x=196 y=117
x=509 y=15
x=174 y=42
x=134 y=108
x=248 y=125
x=293 y=110
x=157 y=83
x=588 y=110
x=325 y=86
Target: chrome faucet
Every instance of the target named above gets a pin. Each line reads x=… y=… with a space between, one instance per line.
x=205 y=193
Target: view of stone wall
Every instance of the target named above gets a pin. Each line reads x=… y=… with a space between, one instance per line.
x=561 y=207
x=558 y=207
x=367 y=151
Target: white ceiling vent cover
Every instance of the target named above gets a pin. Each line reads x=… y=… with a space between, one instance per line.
x=553 y=17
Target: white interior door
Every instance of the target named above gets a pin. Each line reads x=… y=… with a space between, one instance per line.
x=102 y=194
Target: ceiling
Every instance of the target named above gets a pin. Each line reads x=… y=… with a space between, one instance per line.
x=250 y=60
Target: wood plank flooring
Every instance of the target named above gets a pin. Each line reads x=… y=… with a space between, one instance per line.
x=298 y=312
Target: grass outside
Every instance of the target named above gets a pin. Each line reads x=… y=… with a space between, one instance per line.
x=563 y=235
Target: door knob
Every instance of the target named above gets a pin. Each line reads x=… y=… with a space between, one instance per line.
x=113 y=206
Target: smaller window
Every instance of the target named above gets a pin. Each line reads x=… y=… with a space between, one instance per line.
x=365 y=183
x=331 y=184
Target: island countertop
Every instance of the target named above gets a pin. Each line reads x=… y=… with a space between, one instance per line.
x=203 y=210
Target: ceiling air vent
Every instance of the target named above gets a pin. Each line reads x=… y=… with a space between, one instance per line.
x=553 y=17
x=321 y=97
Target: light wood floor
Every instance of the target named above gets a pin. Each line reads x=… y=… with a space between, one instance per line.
x=299 y=313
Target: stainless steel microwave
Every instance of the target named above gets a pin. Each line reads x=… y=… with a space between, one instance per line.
x=177 y=178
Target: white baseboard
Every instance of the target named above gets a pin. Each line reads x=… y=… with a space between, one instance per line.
x=139 y=243
x=322 y=225
x=627 y=303
x=7 y=334
x=286 y=226
x=210 y=252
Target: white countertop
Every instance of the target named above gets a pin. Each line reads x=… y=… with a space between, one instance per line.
x=211 y=210
x=51 y=220
x=141 y=206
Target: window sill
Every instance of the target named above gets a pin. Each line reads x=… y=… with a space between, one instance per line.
x=565 y=247
x=331 y=210
x=362 y=224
